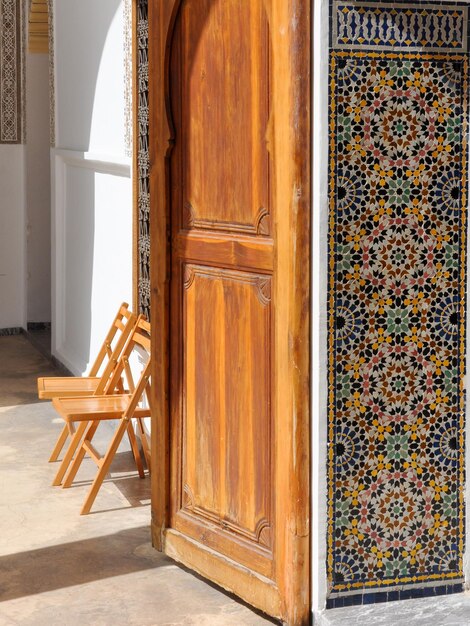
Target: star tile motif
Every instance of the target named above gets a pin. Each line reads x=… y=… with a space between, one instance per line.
x=398 y=200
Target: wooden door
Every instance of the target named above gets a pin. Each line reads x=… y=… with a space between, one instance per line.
x=230 y=245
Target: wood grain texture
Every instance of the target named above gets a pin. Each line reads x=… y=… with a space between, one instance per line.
x=161 y=16
x=224 y=87
x=230 y=89
x=226 y=422
x=63 y=386
x=291 y=139
x=257 y=590
x=221 y=341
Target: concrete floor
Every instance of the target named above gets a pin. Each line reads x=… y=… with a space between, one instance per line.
x=60 y=568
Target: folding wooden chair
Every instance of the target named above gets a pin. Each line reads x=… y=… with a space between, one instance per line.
x=98 y=377
x=123 y=407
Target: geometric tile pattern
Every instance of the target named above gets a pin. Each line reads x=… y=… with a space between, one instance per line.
x=396 y=310
x=143 y=160
x=384 y=26
x=11 y=72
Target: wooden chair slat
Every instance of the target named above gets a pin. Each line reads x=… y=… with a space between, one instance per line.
x=93 y=384
x=88 y=412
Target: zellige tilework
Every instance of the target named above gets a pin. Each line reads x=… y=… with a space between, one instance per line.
x=391 y=26
x=397 y=238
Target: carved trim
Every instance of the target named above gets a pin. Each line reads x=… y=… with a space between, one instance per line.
x=263 y=222
x=263 y=285
x=127 y=44
x=142 y=157
x=188 y=497
x=263 y=533
x=189 y=275
x=38 y=28
x=12 y=71
x=51 y=73
x=189 y=215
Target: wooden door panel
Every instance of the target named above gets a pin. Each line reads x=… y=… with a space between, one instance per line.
x=241 y=252
x=230 y=296
x=224 y=52
x=222 y=265
x=227 y=431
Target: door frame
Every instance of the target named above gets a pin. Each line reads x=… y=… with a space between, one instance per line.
x=288 y=597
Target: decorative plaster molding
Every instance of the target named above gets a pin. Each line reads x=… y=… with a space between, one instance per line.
x=51 y=73
x=12 y=15
x=127 y=39
x=143 y=161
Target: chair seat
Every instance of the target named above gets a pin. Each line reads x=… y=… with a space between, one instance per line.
x=95 y=407
x=66 y=387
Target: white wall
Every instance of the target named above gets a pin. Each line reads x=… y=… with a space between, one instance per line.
x=12 y=237
x=38 y=190
x=92 y=190
x=319 y=304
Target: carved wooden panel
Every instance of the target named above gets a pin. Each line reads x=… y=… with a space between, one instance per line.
x=225 y=112
x=230 y=276
x=227 y=451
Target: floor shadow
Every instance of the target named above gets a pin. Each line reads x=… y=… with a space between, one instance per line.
x=20 y=366
x=123 y=476
x=68 y=564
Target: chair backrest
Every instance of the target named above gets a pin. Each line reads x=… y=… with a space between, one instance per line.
x=137 y=346
x=113 y=345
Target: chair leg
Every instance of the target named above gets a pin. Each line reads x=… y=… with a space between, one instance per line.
x=73 y=469
x=69 y=454
x=135 y=449
x=145 y=443
x=104 y=467
x=59 y=444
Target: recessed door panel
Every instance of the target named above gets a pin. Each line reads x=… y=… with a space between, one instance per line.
x=227 y=454
x=224 y=48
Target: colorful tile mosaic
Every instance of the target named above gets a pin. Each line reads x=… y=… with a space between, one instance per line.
x=397 y=240
x=391 y=26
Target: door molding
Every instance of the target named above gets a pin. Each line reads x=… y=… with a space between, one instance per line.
x=288 y=595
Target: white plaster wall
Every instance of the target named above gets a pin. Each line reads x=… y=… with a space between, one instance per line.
x=38 y=190
x=89 y=67
x=319 y=304
x=92 y=190
x=12 y=237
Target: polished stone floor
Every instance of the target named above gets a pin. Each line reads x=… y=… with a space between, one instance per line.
x=58 y=568
x=452 y=610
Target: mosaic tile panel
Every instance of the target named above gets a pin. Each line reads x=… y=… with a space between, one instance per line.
x=391 y=26
x=398 y=198
x=143 y=160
